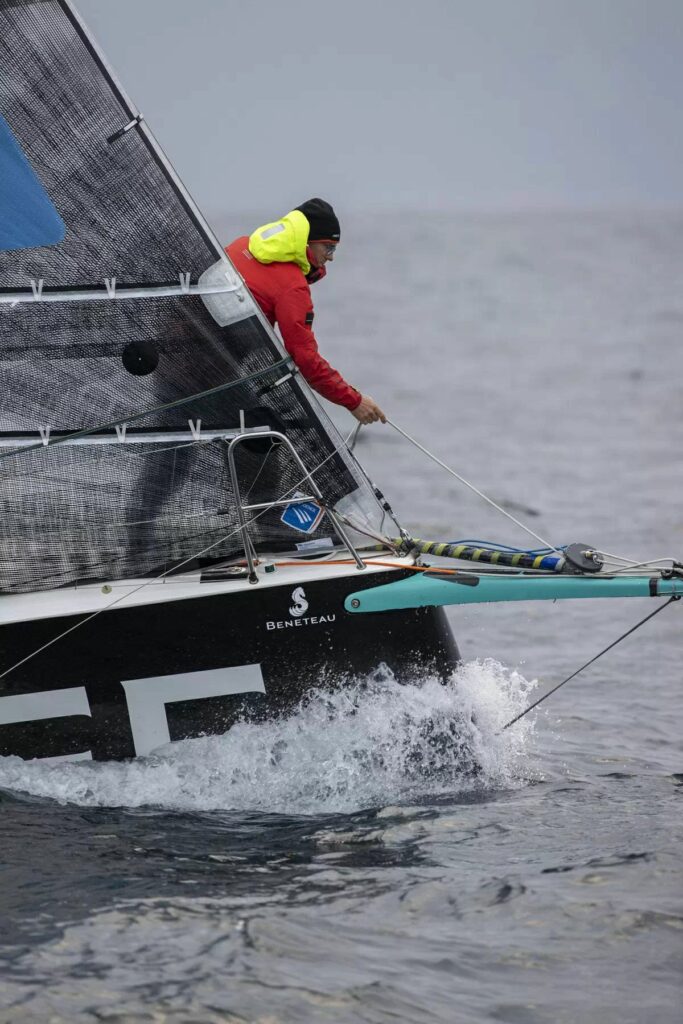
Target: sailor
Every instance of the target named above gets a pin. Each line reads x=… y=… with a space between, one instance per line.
x=279 y=262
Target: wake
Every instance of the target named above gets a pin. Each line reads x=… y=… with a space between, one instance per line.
x=371 y=743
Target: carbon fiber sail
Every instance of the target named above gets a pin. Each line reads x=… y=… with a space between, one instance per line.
x=115 y=299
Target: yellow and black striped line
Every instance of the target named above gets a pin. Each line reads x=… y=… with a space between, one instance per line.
x=490 y=556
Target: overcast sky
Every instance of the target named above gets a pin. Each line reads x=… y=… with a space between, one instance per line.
x=469 y=104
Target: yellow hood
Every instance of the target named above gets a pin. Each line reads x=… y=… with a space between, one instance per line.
x=283 y=241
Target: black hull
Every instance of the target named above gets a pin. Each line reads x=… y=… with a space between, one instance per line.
x=120 y=684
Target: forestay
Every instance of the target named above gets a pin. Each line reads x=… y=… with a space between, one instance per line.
x=101 y=317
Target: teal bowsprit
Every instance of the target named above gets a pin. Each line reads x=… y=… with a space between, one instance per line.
x=28 y=218
x=423 y=590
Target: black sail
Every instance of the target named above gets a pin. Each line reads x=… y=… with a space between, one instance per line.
x=103 y=257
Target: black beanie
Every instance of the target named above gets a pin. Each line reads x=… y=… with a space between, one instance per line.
x=322 y=219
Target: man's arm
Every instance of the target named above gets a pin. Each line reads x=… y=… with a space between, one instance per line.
x=292 y=310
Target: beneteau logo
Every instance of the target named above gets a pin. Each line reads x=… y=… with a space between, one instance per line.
x=300 y=603
x=298 y=607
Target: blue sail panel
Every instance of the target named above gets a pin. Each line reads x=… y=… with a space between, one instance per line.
x=27 y=217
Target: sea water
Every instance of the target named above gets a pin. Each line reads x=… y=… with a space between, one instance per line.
x=392 y=853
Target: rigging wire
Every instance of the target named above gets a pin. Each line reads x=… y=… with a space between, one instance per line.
x=630 y=563
x=676 y=597
x=263 y=465
x=650 y=564
x=353 y=436
x=476 y=490
x=623 y=564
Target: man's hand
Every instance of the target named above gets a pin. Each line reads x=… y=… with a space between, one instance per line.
x=368 y=411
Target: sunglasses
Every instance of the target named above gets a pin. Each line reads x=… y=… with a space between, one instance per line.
x=329 y=247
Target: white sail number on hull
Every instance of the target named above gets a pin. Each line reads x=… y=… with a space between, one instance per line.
x=146 y=700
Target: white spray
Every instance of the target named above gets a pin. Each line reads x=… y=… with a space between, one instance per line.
x=368 y=744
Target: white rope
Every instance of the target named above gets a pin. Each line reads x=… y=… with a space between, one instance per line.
x=652 y=563
x=476 y=490
x=606 y=555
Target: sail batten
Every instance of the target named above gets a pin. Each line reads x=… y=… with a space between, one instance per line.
x=109 y=292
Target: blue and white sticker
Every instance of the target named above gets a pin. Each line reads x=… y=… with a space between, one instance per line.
x=303 y=516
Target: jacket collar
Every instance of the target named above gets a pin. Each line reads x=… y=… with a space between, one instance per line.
x=283 y=241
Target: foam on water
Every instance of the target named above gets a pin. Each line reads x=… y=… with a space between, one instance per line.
x=371 y=743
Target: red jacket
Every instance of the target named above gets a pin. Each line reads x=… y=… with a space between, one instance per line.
x=284 y=295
